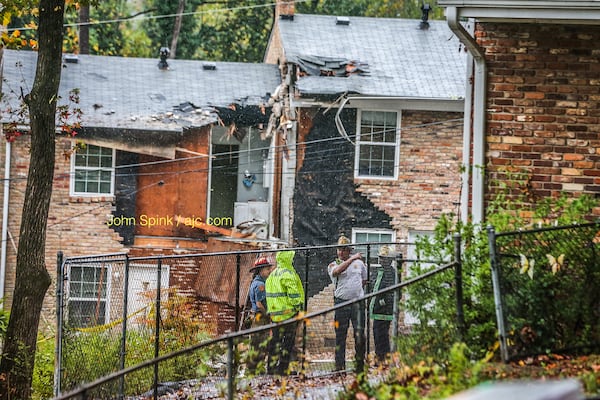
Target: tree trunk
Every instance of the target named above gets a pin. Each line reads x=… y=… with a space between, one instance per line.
x=176 y=29
x=84 y=29
x=32 y=278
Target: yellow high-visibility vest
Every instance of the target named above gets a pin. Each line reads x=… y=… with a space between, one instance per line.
x=285 y=293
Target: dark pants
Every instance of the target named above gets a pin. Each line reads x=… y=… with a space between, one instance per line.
x=353 y=313
x=282 y=346
x=381 y=338
x=259 y=343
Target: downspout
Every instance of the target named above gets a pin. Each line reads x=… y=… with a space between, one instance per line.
x=465 y=192
x=479 y=101
x=5 y=219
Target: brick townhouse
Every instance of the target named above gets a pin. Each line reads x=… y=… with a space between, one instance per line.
x=375 y=109
x=534 y=98
x=158 y=146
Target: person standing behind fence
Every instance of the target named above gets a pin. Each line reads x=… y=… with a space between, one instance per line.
x=258 y=299
x=285 y=298
x=349 y=275
x=381 y=307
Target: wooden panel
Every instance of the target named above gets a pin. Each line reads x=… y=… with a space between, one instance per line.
x=169 y=191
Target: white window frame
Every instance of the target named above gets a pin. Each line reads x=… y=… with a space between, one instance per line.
x=371 y=231
x=103 y=319
x=359 y=143
x=75 y=168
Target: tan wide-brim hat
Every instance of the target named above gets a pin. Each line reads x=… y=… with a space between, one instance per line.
x=344 y=241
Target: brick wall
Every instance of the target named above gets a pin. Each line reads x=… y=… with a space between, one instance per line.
x=76 y=226
x=428 y=183
x=544 y=105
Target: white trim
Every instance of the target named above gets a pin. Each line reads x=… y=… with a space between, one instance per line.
x=396 y=146
x=72 y=191
x=378 y=231
x=520 y=11
x=5 y=209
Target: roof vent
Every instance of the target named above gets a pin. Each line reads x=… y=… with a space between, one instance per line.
x=287 y=17
x=342 y=21
x=425 y=9
x=164 y=54
x=209 y=66
x=71 y=58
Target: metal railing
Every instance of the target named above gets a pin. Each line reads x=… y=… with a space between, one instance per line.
x=141 y=321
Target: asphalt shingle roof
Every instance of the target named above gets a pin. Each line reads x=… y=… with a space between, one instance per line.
x=402 y=59
x=119 y=92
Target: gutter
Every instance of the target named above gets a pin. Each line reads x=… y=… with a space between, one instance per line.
x=478 y=124
x=5 y=220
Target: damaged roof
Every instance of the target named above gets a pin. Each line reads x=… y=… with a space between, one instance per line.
x=374 y=56
x=133 y=93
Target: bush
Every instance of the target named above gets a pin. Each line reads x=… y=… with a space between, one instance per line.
x=43 y=371
x=91 y=353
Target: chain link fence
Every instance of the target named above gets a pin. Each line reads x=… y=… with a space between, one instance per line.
x=546 y=289
x=133 y=326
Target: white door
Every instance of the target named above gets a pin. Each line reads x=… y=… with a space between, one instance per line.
x=141 y=294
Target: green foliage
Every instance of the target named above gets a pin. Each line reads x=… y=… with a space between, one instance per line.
x=433 y=301
x=4 y=316
x=427 y=379
x=370 y=8
x=549 y=279
x=227 y=30
x=43 y=372
x=180 y=328
x=514 y=205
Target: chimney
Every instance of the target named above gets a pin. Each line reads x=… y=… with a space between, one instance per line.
x=284 y=9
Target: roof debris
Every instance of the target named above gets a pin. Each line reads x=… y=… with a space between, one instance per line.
x=331 y=66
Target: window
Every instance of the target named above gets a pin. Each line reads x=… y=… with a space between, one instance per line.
x=88 y=287
x=377 y=145
x=372 y=236
x=92 y=171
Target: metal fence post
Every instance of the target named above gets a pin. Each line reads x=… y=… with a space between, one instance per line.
x=306 y=263
x=360 y=337
x=124 y=324
x=59 y=323
x=366 y=309
x=230 y=369
x=460 y=315
x=157 y=327
x=237 y=290
x=397 y=300
x=497 y=294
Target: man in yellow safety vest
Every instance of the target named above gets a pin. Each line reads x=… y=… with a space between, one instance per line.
x=285 y=298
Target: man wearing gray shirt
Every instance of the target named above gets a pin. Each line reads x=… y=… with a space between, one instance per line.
x=349 y=275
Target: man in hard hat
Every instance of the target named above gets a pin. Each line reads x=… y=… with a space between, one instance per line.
x=261 y=269
x=285 y=298
x=349 y=275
